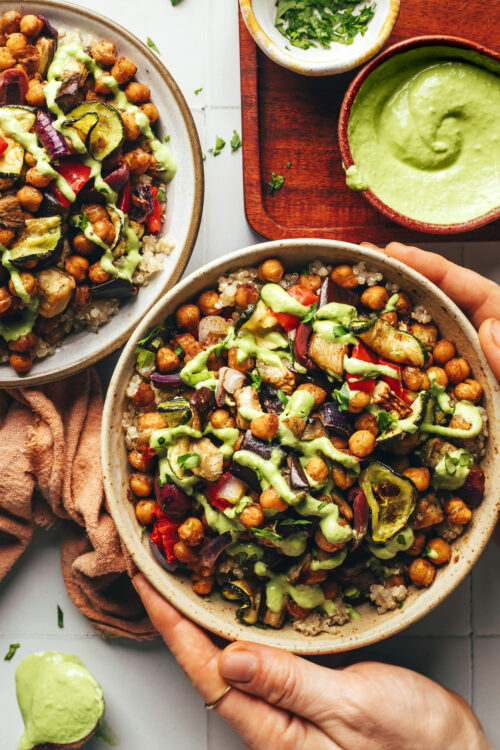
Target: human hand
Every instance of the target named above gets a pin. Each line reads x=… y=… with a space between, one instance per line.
x=283 y=702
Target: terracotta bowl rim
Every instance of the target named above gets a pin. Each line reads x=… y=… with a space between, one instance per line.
x=430 y=40
x=172 y=587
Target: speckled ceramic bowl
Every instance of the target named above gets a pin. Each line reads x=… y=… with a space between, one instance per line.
x=218 y=615
x=259 y=17
x=185 y=193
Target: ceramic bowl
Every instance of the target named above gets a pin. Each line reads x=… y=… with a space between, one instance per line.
x=259 y=17
x=185 y=193
x=218 y=615
x=456 y=44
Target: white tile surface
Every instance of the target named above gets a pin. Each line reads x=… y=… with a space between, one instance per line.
x=149 y=701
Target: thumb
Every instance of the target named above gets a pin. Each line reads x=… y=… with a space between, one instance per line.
x=489 y=337
x=282 y=679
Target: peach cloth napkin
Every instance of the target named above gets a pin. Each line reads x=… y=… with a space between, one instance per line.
x=50 y=472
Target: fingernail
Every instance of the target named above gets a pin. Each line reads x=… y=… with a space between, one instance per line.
x=238 y=665
x=135 y=584
x=495 y=331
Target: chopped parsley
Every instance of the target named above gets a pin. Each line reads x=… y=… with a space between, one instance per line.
x=11 y=652
x=256 y=378
x=282 y=397
x=178 y=350
x=322 y=504
x=198 y=91
x=219 y=145
x=352 y=613
x=288 y=164
x=204 y=157
x=141 y=533
x=60 y=617
x=430 y=553
x=275 y=183
x=166 y=139
x=309 y=23
x=385 y=419
x=342 y=396
x=175 y=2
x=235 y=141
x=161 y=196
x=84 y=221
x=400 y=605
x=401 y=539
x=269 y=534
x=153 y=46
x=146 y=348
x=294 y=522
x=189 y=460
x=312 y=312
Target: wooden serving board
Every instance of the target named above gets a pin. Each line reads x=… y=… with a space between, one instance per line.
x=290 y=117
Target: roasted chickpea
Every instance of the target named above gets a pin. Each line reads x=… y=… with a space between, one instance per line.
x=246 y=294
x=191 y=532
x=24 y=343
x=82 y=245
x=97 y=274
x=394 y=580
x=204 y=586
x=403 y=305
x=440 y=551
x=443 y=351
x=77 y=266
x=270 y=500
x=339 y=442
x=37 y=179
x=185 y=554
x=469 y=390
x=5 y=300
x=391 y=317
x=207 y=302
x=317 y=470
x=31 y=26
x=427 y=513
x=375 y=297
x=16 y=43
x=6 y=59
x=151 y=420
x=232 y=360
x=358 y=402
x=139 y=460
x=319 y=394
x=166 y=359
x=144 y=395
x=123 y=70
x=367 y=421
x=422 y=572
x=145 y=512
x=344 y=276
x=105 y=230
x=342 y=478
x=21 y=363
x=35 y=95
x=138 y=160
x=187 y=317
x=104 y=53
x=418 y=545
x=323 y=542
x=151 y=111
x=137 y=93
x=29 y=283
x=457 y=369
x=7 y=236
x=10 y=22
x=220 y=419
x=415 y=379
x=141 y=484
x=132 y=130
x=271 y=270
x=426 y=333
x=265 y=427
x=439 y=374
x=362 y=443
x=310 y=281
x=252 y=516
x=102 y=88
x=420 y=476
x=457 y=511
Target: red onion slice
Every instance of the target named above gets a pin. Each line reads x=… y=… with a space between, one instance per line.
x=229 y=382
x=232 y=490
x=51 y=139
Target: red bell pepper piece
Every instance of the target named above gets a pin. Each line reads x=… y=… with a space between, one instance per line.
x=305 y=297
x=355 y=382
x=4 y=145
x=76 y=175
x=165 y=536
x=213 y=493
x=395 y=382
x=125 y=197
x=154 y=220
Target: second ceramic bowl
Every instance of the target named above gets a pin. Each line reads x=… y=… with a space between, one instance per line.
x=218 y=615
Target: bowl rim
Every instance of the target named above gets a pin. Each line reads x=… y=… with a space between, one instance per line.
x=202 y=614
x=82 y=359
x=287 y=60
x=430 y=40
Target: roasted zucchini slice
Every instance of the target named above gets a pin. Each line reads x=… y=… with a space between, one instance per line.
x=249 y=595
x=41 y=240
x=361 y=326
x=408 y=426
x=391 y=498
x=102 y=138
x=24 y=116
x=176 y=412
x=12 y=160
x=397 y=346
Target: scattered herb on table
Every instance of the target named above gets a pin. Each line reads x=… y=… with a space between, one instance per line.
x=175 y=2
x=60 y=617
x=275 y=183
x=166 y=139
x=307 y=23
x=288 y=164
x=11 y=652
x=235 y=141
x=198 y=91
x=153 y=46
x=219 y=145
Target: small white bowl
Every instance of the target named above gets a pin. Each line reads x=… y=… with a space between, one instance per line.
x=259 y=16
